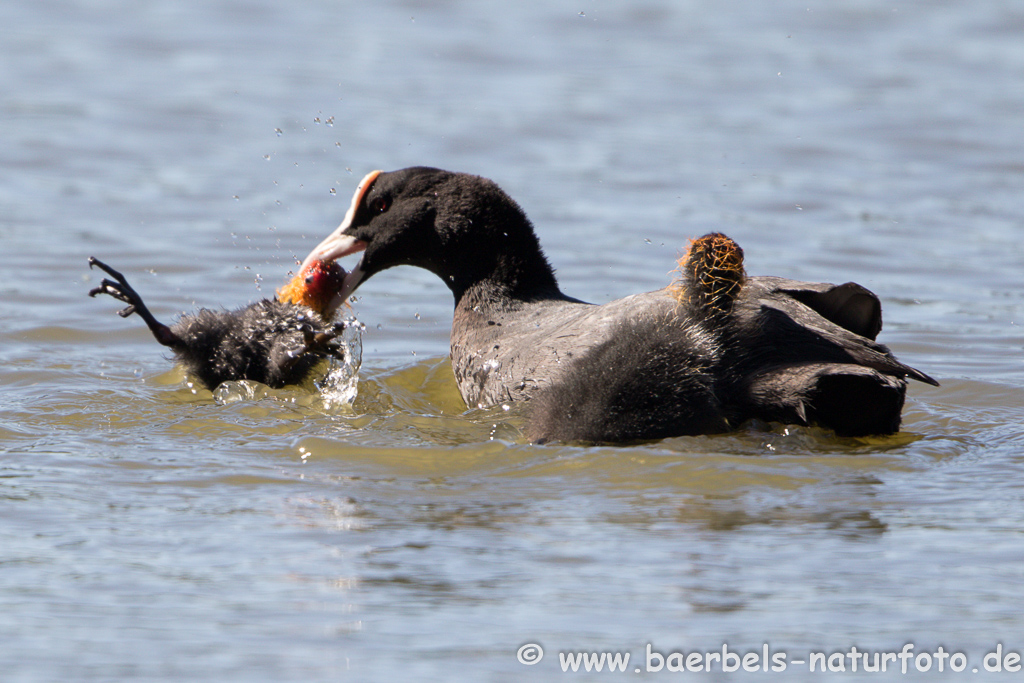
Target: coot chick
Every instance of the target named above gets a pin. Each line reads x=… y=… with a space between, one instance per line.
x=273 y=341
x=703 y=355
x=731 y=349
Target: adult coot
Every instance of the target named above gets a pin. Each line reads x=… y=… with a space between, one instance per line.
x=275 y=341
x=700 y=356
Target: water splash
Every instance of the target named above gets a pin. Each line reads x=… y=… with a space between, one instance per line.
x=337 y=387
x=239 y=390
x=340 y=386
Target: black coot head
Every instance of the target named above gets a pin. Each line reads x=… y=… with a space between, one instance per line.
x=461 y=227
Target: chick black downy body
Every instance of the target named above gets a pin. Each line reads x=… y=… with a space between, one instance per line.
x=270 y=341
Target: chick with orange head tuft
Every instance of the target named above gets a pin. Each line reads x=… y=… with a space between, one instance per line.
x=275 y=341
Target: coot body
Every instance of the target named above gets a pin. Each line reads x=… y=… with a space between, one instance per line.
x=701 y=356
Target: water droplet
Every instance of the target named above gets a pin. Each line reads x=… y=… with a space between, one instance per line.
x=417 y=316
x=582 y=14
x=316 y=120
x=330 y=121
x=379 y=326
x=333 y=191
x=267 y=157
x=235 y=197
x=647 y=241
x=349 y=170
x=278 y=131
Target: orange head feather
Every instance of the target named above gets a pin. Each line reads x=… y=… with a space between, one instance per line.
x=711 y=274
x=316 y=286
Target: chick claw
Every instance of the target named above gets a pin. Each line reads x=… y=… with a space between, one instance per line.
x=320 y=342
x=120 y=290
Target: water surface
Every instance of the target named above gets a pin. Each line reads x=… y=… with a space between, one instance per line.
x=151 y=532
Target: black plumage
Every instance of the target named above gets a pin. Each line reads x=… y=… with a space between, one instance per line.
x=703 y=355
x=727 y=349
x=270 y=341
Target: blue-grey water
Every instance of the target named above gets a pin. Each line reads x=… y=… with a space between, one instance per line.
x=149 y=531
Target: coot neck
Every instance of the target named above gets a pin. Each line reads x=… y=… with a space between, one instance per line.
x=499 y=267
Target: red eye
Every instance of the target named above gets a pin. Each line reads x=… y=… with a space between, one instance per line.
x=379 y=205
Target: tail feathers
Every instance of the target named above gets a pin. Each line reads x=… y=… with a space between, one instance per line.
x=852 y=400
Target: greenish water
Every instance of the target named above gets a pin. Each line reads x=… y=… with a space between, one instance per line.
x=149 y=531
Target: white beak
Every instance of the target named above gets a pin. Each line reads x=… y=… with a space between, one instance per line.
x=338 y=244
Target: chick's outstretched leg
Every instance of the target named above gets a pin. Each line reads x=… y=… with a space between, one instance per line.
x=122 y=291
